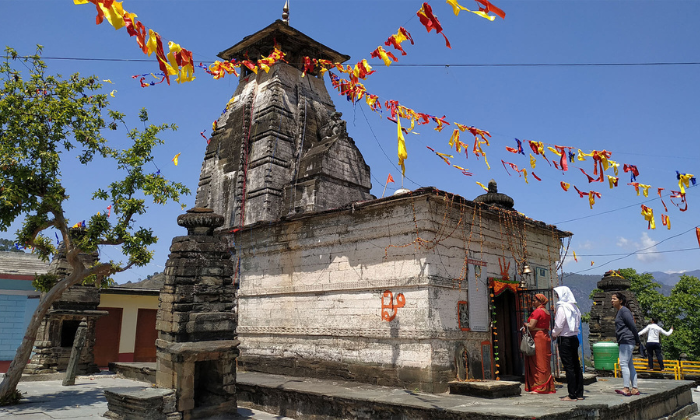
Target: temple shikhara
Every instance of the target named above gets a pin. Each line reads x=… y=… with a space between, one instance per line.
x=280 y=148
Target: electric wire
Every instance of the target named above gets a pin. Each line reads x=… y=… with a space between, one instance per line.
x=632 y=253
x=382 y=149
x=648 y=252
x=424 y=65
x=617 y=209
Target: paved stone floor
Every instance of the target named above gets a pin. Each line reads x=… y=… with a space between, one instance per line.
x=696 y=398
x=293 y=396
x=45 y=400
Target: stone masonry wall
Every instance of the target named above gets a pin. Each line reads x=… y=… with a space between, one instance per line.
x=311 y=290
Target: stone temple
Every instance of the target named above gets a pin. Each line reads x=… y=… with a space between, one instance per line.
x=413 y=290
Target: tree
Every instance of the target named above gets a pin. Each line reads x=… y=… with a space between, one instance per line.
x=8 y=246
x=646 y=289
x=681 y=310
x=45 y=118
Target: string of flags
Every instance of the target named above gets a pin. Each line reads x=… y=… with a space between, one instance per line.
x=178 y=62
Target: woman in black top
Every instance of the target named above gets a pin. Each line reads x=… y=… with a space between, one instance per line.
x=627 y=338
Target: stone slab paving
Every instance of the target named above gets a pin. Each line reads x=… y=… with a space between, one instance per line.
x=45 y=400
x=696 y=398
x=340 y=398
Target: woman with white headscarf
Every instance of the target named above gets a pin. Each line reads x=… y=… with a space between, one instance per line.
x=567 y=321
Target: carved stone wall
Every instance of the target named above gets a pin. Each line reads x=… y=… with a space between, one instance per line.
x=602 y=324
x=280 y=148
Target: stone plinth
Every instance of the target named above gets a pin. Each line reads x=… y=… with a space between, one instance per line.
x=143 y=404
x=203 y=373
x=486 y=389
x=306 y=398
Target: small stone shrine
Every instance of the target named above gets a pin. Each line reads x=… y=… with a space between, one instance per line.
x=54 y=340
x=196 y=349
x=602 y=324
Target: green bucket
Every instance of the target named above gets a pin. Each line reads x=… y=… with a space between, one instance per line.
x=605 y=355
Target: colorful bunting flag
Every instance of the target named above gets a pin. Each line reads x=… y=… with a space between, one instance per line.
x=402 y=153
x=430 y=21
x=399 y=37
x=648 y=214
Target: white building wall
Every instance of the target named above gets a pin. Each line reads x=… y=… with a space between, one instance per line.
x=311 y=289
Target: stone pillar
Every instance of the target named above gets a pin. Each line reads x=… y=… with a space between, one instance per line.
x=196 y=349
x=78 y=345
x=602 y=325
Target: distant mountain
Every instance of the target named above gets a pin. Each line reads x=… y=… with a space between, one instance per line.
x=152 y=282
x=673 y=278
x=582 y=285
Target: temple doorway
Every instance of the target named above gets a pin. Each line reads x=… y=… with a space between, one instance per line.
x=507 y=354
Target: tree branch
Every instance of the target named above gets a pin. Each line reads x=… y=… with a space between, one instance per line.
x=119 y=270
x=103 y=269
x=105 y=242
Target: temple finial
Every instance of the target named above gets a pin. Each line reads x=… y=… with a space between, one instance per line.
x=285 y=12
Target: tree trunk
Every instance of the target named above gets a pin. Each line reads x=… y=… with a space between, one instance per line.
x=24 y=351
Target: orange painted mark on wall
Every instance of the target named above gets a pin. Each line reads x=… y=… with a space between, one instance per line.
x=504 y=268
x=389 y=310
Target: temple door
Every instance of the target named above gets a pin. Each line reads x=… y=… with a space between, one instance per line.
x=107 y=333
x=507 y=326
x=146 y=335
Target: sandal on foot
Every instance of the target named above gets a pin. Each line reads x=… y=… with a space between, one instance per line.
x=567 y=398
x=621 y=392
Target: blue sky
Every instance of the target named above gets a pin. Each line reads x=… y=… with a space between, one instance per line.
x=646 y=115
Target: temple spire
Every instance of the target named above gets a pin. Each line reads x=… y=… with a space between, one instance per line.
x=285 y=12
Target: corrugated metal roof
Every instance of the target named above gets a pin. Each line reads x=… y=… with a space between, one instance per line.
x=21 y=264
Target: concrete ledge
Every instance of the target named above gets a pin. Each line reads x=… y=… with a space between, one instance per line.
x=141 y=404
x=57 y=376
x=36 y=377
x=485 y=389
x=312 y=399
x=588 y=378
x=144 y=372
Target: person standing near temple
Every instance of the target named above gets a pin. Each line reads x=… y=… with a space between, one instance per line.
x=538 y=370
x=653 y=343
x=567 y=321
x=627 y=338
